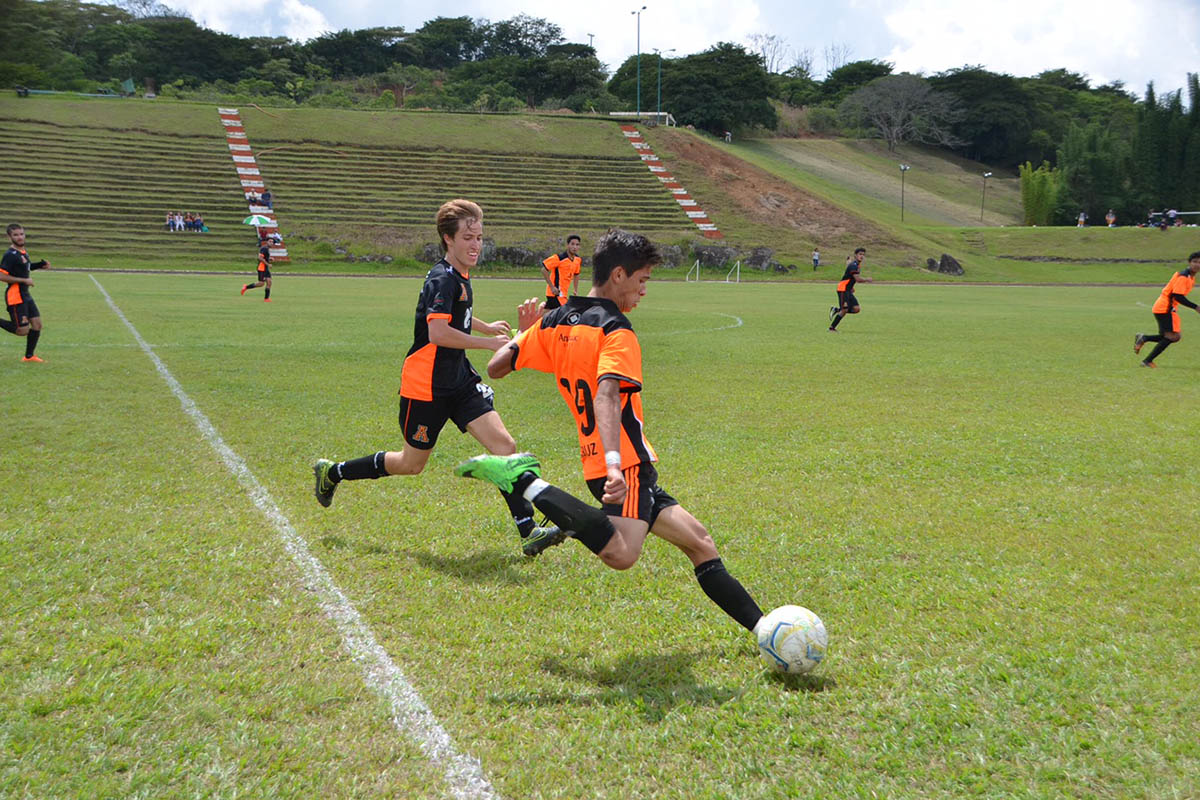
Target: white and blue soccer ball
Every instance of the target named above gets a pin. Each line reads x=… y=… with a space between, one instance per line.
x=791 y=639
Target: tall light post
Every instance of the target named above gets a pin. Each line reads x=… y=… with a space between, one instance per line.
x=638 y=14
x=591 y=36
x=903 y=169
x=983 y=199
x=657 y=52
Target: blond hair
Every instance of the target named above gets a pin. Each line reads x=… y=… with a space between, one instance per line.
x=451 y=214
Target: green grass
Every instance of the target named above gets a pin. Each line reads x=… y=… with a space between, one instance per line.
x=977 y=489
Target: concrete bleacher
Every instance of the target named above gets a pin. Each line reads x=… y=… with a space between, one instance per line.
x=84 y=191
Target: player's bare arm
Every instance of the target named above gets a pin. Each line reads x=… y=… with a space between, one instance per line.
x=6 y=278
x=608 y=420
x=442 y=335
x=496 y=328
x=549 y=278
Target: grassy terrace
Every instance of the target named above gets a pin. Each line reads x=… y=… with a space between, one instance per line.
x=370 y=182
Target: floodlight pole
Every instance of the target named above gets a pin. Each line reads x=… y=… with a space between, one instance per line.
x=638 y=14
x=591 y=36
x=983 y=199
x=658 y=116
x=903 y=169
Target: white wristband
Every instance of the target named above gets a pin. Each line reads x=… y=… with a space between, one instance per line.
x=612 y=458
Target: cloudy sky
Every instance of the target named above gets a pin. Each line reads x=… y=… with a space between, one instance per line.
x=1107 y=40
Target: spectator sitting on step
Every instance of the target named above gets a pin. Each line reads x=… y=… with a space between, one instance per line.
x=266 y=198
x=170 y=221
x=200 y=226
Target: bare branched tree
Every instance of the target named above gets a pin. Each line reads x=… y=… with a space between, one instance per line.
x=903 y=108
x=836 y=55
x=772 y=48
x=802 y=62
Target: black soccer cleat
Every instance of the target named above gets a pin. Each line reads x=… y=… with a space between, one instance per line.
x=540 y=539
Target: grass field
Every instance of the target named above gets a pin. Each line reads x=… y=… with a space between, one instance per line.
x=977 y=489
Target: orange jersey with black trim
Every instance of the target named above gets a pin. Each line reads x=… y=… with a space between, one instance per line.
x=430 y=370
x=1181 y=283
x=563 y=269
x=583 y=342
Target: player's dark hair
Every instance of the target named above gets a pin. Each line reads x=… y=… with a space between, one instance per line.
x=858 y=250
x=15 y=226
x=1193 y=255
x=574 y=237
x=453 y=212
x=619 y=248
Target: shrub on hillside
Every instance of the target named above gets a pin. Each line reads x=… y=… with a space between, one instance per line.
x=823 y=120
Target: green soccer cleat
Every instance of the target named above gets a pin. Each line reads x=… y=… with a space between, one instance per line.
x=325 y=487
x=540 y=539
x=503 y=471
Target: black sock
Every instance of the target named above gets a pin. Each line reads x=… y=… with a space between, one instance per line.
x=8 y=325
x=725 y=590
x=1152 y=338
x=836 y=320
x=588 y=524
x=1155 y=353
x=31 y=342
x=268 y=292
x=521 y=510
x=357 y=469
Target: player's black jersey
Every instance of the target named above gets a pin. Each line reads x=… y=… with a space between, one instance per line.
x=430 y=370
x=264 y=254
x=849 y=277
x=16 y=263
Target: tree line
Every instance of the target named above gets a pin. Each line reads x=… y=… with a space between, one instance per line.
x=1082 y=147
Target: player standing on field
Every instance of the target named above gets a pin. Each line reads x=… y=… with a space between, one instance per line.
x=590 y=348
x=264 y=269
x=1173 y=294
x=847 y=302
x=561 y=272
x=24 y=317
x=438 y=383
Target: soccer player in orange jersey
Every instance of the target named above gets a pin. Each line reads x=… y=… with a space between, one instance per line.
x=1173 y=294
x=438 y=383
x=591 y=349
x=561 y=273
x=24 y=317
x=847 y=302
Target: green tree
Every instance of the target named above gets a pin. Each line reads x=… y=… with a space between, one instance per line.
x=722 y=88
x=996 y=124
x=844 y=80
x=1039 y=193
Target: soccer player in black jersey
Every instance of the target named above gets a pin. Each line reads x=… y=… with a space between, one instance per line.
x=264 y=270
x=847 y=302
x=438 y=383
x=24 y=318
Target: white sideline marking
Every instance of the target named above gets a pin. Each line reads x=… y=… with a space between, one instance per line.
x=737 y=323
x=410 y=715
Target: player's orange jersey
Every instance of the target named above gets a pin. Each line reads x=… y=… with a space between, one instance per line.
x=581 y=343
x=563 y=269
x=1181 y=283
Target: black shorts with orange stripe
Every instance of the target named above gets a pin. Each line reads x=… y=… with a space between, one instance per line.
x=423 y=420
x=847 y=300
x=644 y=500
x=263 y=273
x=22 y=312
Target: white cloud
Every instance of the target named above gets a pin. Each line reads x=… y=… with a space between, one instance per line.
x=302 y=22
x=229 y=16
x=1105 y=39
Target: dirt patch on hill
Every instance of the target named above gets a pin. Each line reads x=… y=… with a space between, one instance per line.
x=762 y=197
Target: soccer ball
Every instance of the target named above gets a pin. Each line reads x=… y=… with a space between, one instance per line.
x=791 y=639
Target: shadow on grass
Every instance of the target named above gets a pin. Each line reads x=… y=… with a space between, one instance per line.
x=479 y=566
x=652 y=685
x=802 y=683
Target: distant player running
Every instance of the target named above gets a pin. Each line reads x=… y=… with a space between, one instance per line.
x=847 y=302
x=590 y=348
x=1173 y=294
x=24 y=317
x=264 y=270
x=438 y=383
x=561 y=273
